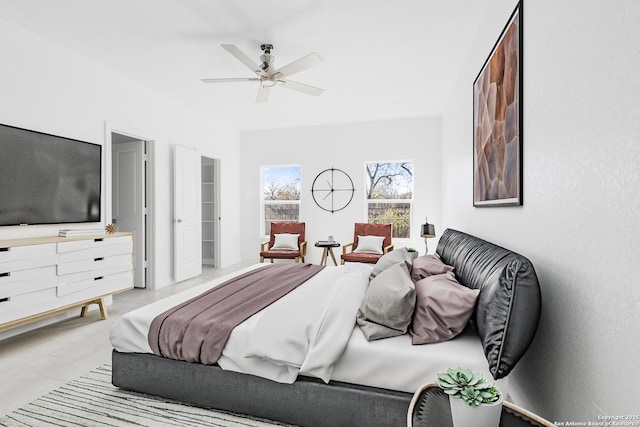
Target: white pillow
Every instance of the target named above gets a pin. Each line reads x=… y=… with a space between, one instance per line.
x=369 y=244
x=285 y=242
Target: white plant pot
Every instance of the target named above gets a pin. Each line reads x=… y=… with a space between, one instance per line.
x=485 y=415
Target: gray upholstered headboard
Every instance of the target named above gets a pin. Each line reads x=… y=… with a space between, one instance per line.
x=508 y=307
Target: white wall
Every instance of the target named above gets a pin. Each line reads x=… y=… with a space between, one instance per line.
x=50 y=89
x=346 y=147
x=579 y=223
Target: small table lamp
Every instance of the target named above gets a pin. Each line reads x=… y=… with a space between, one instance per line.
x=427 y=231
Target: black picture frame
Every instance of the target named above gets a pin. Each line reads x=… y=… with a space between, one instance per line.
x=498 y=120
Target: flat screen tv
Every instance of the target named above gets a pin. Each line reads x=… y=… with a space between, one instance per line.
x=47 y=179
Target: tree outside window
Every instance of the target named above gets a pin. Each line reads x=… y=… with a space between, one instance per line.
x=389 y=187
x=280 y=195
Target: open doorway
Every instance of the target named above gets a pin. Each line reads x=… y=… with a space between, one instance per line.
x=130 y=206
x=210 y=212
x=196 y=213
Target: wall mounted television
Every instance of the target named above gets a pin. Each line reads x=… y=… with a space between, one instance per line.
x=48 y=179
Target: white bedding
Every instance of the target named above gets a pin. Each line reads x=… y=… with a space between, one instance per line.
x=305 y=333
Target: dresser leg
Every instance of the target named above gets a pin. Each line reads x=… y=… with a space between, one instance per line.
x=103 y=309
x=101 y=305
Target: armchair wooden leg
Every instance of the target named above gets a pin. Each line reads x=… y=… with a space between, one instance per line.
x=261 y=259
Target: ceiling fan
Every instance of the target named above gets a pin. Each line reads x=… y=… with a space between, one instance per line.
x=268 y=76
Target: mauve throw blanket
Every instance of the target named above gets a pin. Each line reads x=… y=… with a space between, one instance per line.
x=198 y=329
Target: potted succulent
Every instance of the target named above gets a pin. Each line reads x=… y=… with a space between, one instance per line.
x=413 y=253
x=474 y=401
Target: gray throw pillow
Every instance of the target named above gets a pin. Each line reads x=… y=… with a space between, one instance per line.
x=389 y=259
x=443 y=308
x=428 y=265
x=388 y=304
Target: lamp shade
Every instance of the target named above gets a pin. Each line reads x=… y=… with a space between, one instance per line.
x=428 y=230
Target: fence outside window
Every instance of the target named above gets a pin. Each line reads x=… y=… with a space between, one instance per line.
x=280 y=211
x=398 y=214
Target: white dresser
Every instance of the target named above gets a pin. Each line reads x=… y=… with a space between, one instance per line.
x=44 y=276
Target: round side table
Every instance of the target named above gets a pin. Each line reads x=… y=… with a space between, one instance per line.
x=327 y=249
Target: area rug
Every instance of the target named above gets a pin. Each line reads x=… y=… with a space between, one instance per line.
x=92 y=400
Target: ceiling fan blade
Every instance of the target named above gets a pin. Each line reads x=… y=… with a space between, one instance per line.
x=263 y=93
x=299 y=65
x=301 y=87
x=231 y=79
x=242 y=57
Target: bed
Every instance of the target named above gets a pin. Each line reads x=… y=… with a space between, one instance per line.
x=341 y=378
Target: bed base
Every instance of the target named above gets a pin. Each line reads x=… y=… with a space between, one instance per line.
x=307 y=402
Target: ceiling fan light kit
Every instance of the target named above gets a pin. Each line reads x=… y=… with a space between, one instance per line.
x=267 y=83
x=268 y=76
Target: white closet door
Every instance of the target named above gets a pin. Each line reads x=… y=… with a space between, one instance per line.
x=188 y=214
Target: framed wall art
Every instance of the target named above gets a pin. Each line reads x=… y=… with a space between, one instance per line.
x=497 y=121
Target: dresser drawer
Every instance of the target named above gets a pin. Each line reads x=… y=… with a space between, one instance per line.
x=32 y=298
x=115 y=282
x=25 y=281
x=26 y=257
x=93 y=274
x=94 y=264
x=93 y=248
x=81 y=245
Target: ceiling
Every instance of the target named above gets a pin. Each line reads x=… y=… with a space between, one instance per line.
x=383 y=59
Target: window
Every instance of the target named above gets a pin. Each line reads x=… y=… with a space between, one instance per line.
x=280 y=195
x=389 y=195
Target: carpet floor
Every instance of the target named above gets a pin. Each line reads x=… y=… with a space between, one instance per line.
x=92 y=400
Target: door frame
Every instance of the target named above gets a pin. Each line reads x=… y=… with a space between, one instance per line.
x=109 y=128
x=132 y=149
